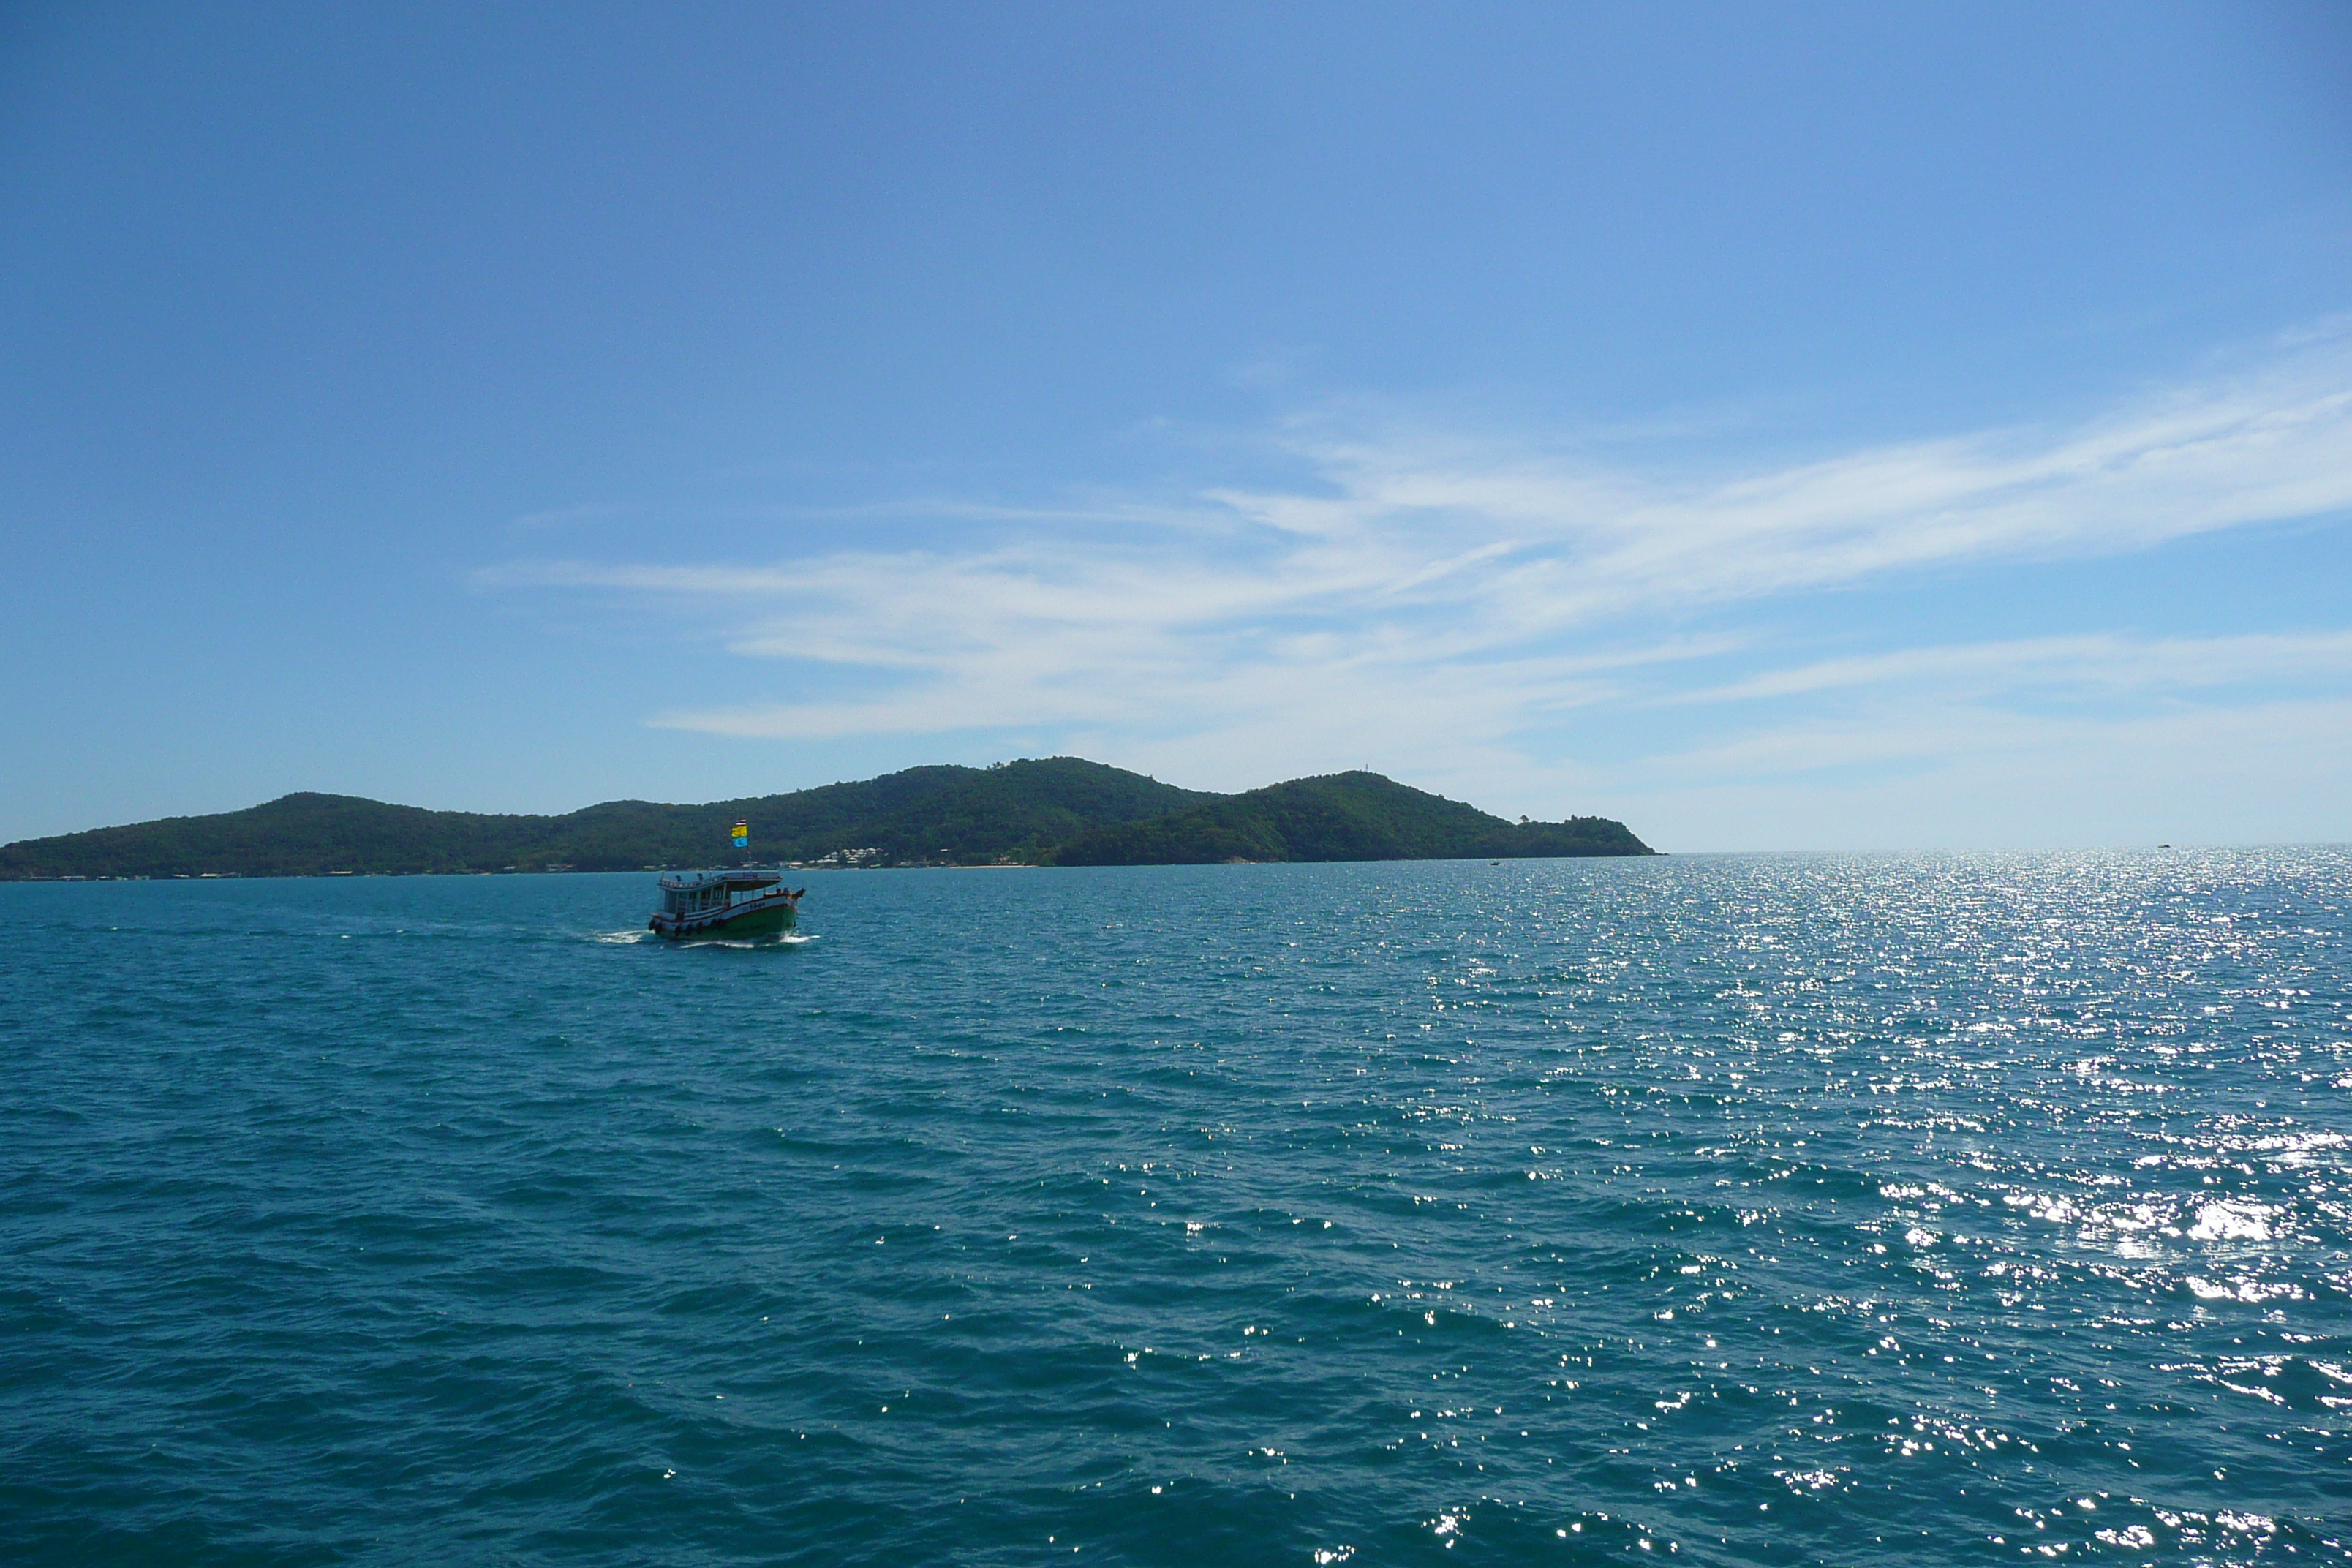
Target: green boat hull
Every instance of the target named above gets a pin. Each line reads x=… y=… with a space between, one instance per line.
x=776 y=918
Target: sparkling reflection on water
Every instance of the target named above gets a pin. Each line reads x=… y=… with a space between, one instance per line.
x=1734 y=1209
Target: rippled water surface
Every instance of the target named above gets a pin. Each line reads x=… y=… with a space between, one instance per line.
x=1736 y=1210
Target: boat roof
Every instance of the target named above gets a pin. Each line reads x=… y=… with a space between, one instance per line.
x=694 y=881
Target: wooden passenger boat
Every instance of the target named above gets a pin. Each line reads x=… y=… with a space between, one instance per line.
x=730 y=904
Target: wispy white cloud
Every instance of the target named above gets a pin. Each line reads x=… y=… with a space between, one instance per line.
x=1425 y=603
x=1912 y=774
x=1566 y=544
x=2105 y=662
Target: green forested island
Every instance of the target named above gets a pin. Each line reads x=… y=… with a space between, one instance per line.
x=1059 y=811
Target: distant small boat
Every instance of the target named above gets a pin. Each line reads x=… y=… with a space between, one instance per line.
x=726 y=904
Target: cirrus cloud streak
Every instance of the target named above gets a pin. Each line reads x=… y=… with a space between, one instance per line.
x=1448 y=607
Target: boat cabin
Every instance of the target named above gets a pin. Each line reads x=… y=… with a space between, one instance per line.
x=707 y=890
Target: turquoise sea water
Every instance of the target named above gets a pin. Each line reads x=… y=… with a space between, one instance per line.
x=1736 y=1210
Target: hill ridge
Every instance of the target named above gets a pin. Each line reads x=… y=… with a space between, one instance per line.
x=1352 y=816
x=1045 y=811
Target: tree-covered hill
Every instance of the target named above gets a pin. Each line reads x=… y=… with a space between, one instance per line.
x=1017 y=811
x=1340 y=816
x=1059 y=811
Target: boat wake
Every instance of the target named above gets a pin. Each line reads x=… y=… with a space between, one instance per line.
x=789 y=938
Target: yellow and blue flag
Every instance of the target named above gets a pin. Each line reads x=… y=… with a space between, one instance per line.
x=743 y=834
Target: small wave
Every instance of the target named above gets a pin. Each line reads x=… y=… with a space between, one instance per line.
x=626 y=938
x=2232 y=1221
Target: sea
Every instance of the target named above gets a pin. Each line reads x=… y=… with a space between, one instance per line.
x=1925 y=1209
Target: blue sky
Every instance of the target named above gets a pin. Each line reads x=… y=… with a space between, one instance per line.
x=1806 y=427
